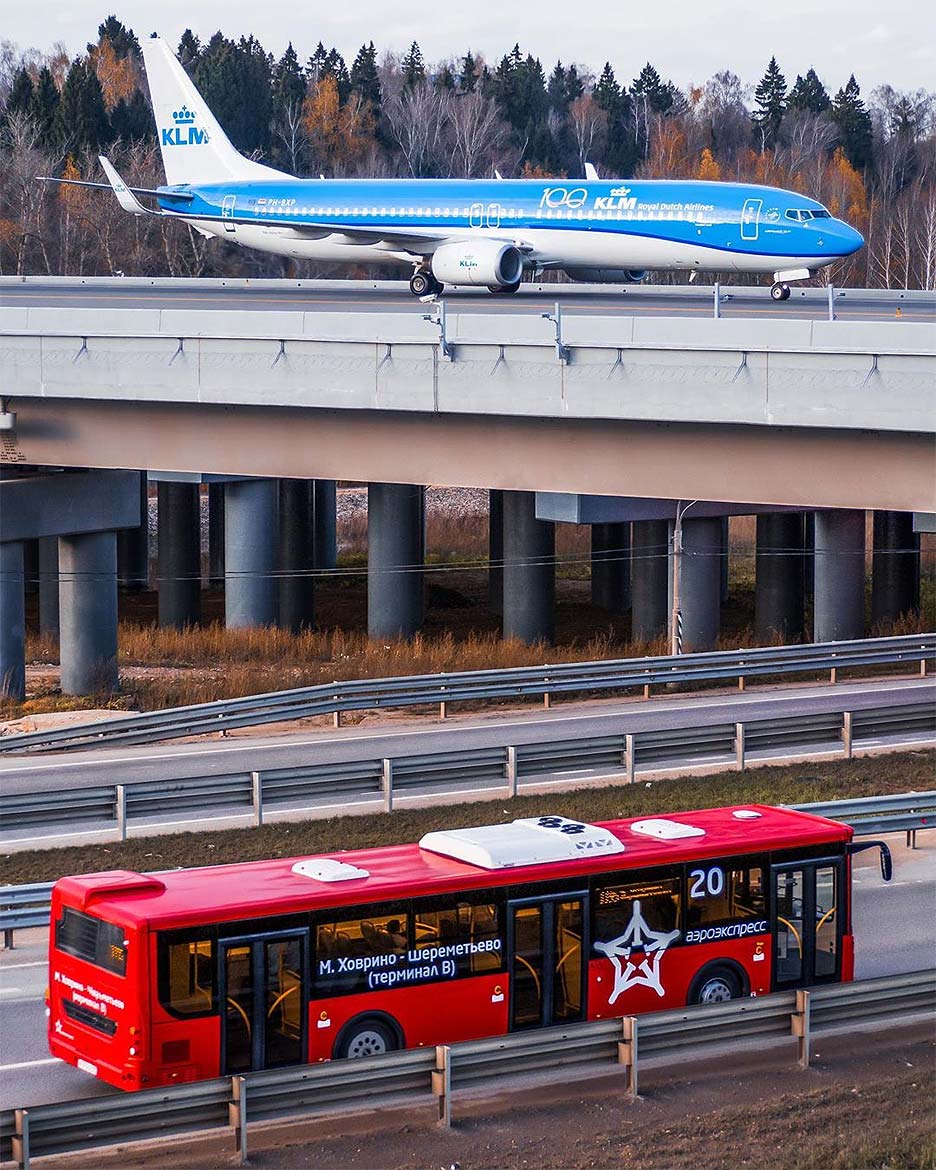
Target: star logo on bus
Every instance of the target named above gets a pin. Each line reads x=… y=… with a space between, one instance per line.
x=636 y=955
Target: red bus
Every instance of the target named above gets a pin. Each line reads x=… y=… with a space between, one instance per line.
x=164 y=978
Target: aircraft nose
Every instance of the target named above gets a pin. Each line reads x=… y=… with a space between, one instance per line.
x=847 y=239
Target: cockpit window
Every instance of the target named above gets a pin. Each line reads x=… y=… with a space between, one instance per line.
x=805 y=214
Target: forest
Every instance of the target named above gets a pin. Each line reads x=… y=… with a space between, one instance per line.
x=871 y=159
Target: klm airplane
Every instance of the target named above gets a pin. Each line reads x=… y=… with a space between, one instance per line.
x=473 y=232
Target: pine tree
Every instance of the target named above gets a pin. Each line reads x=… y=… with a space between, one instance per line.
x=445 y=78
x=649 y=87
x=189 y=49
x=556 y=89
x=770 y=97
x=809 y=94
x=574 y=86
x=289 y=85
x=610 y=97
x=468 y=77
x=123 y=39
x=854 y=123
x=84 y=115
x=131 y=119
x=45 y=110
x=364 y=76
x=20 y=97
x=235 y=81
x=414 y=68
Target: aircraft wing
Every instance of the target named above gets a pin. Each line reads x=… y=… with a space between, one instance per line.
x=405 y=238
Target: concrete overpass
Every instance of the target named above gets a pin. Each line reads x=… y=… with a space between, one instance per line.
x=805 y=413
x=615 y=398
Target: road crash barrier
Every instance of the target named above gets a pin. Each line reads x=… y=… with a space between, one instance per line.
x=416 y=1077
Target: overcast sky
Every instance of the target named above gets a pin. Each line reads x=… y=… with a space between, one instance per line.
x=687 y=40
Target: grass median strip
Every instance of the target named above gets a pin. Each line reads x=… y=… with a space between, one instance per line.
x=790 y=784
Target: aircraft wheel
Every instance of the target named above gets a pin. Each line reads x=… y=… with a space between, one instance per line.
x=780 y=292
x=423 y=284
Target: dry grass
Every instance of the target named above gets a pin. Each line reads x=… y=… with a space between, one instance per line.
x=460 y=632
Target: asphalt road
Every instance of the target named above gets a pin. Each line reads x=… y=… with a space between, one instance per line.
x=851 y=305
x=236 y=756
x=895 y=931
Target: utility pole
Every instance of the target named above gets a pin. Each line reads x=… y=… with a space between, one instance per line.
x=676 y=622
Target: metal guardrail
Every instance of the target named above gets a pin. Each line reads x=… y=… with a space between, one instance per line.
x=415 y=1077
x=465 y=772
x=443 y=689
x=254 y=795
x=28 y=906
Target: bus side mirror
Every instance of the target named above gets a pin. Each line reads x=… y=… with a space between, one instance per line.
x=887 y=863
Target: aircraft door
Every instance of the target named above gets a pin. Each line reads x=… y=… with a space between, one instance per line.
x=227 y=212
x=750 y=218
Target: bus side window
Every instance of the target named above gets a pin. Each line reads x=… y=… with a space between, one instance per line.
x=186 y=976
x=462 y=923
x=716 y=894
x=656 y=900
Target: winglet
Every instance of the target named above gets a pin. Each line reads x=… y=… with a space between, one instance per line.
x=590 y=172
x=127 y=200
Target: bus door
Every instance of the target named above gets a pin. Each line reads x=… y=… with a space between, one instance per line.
x=545 y=955
x=263 y=983
x=808 y=904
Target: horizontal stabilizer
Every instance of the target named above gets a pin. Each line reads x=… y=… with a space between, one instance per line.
x=107 y=187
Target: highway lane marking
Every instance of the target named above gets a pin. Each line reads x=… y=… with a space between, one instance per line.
x=735 y=701
x=19 y=966
x=30 y=1064
x=11 y=991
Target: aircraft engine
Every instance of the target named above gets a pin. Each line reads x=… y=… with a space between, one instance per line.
x=486 y=262
x=607 y=275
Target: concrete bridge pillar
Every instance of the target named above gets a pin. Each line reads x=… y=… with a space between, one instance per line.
x=12 y=621
x=325 y=523
x=251 y=530
x=700 y=585
x=496 y=551
x=88 y=612
x=725 y=558
x=649 y=572
x=296 y=584
x=216 y=535
x=31 y=566
x=133 y=546
x=394 y=560
x=895 y=567
x=839 y=588
x=610 y=566
x=529 y=570
x=179 y=552
x=49 y=585
x=778 y=589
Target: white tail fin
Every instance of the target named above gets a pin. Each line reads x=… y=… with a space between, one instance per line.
x=194 y=147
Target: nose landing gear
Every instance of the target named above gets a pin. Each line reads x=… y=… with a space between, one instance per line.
x=780 y=292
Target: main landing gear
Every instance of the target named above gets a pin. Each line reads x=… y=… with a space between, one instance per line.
x=779 y=292
x=424 y=284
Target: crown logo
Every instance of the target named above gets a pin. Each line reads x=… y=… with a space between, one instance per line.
x=620 y=190
x=183 y=117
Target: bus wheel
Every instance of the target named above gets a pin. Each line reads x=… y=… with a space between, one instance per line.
x=715 y=985
x=365 y=1037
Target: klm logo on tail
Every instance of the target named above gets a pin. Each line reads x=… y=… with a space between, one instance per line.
x=184 y=132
